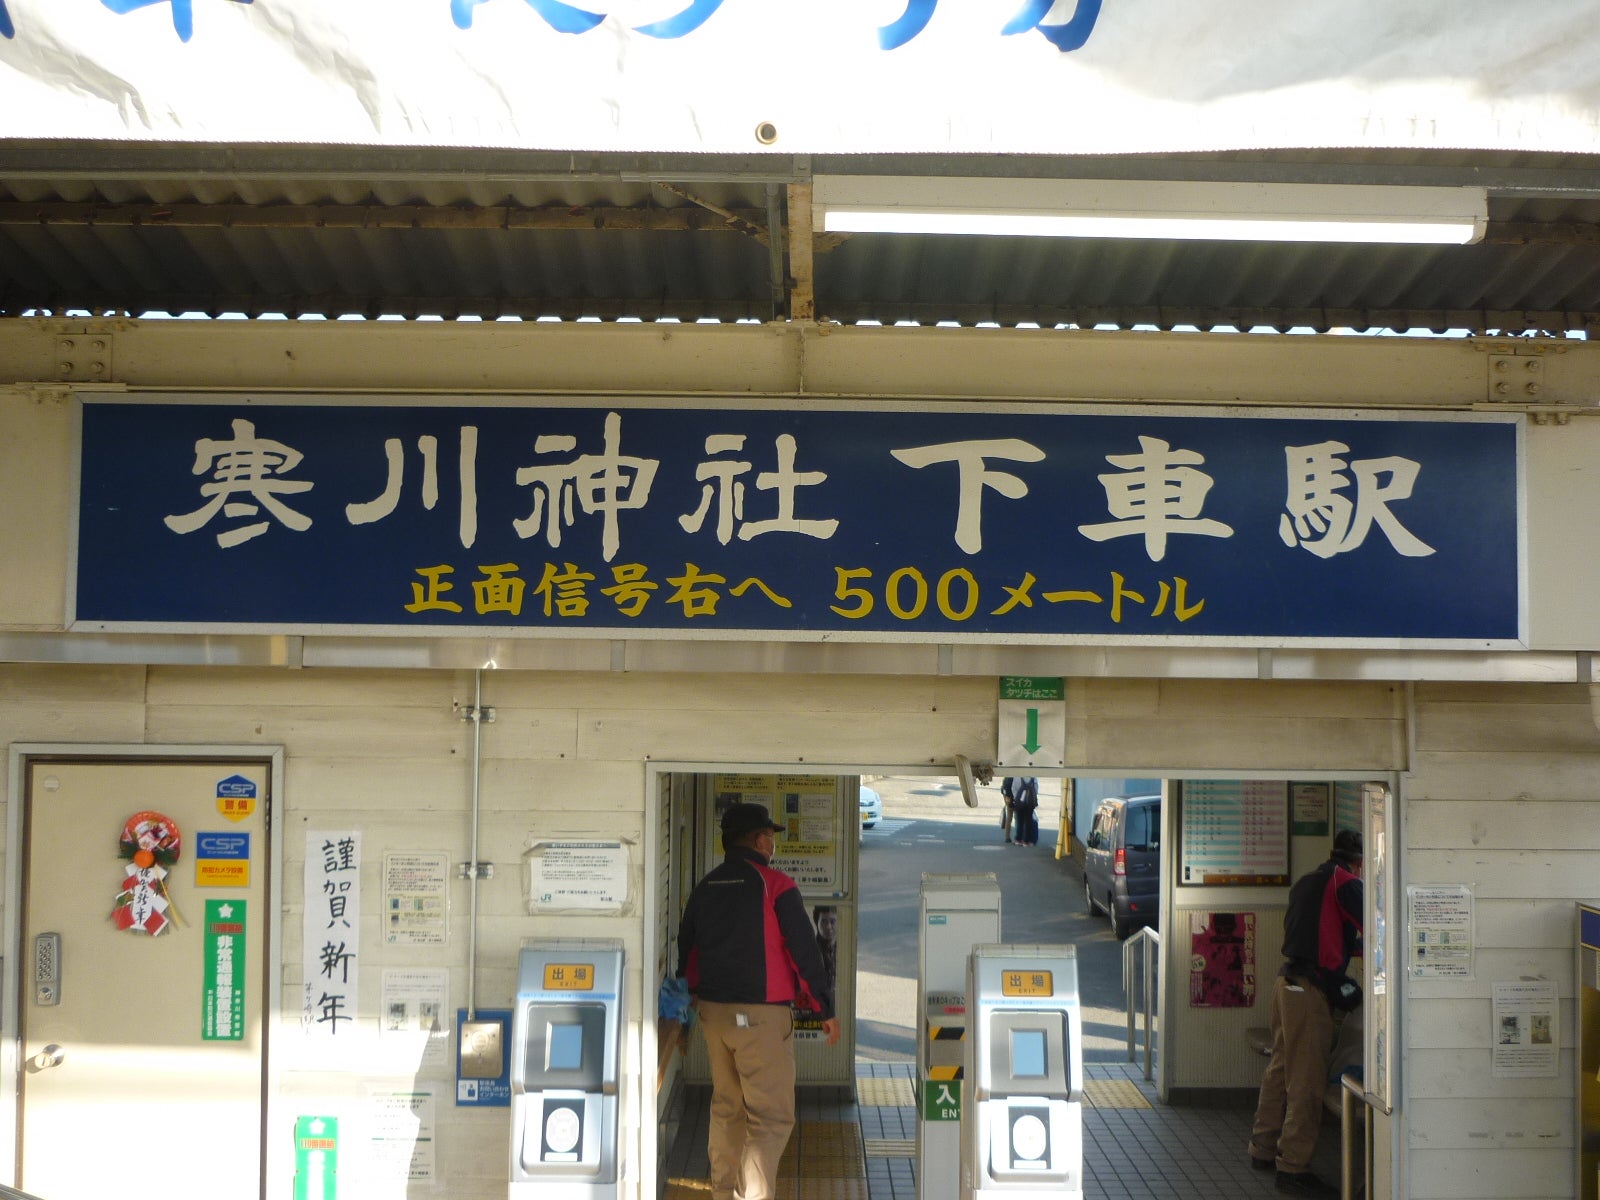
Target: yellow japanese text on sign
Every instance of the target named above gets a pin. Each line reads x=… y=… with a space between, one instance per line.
x=569 y=977
x=1027 y=983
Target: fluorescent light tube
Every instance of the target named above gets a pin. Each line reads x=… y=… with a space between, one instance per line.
x=1129 y=209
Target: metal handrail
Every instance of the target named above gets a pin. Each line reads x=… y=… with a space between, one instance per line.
x=1147 y=944
x=1355 y=1158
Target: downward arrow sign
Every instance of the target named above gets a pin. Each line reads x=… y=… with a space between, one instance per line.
x=1031 y=742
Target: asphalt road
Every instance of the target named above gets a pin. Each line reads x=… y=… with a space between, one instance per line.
x=927 y=827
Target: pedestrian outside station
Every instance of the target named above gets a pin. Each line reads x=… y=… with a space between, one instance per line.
x=449 y=448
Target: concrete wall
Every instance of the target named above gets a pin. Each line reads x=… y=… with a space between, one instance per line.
x=385 y=753
x=1504 y=797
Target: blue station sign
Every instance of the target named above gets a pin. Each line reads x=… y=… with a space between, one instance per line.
x=611 y=519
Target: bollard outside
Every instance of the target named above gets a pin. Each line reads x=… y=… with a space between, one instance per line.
x=1147 y=942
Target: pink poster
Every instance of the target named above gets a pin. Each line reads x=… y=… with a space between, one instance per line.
x=1222 y=960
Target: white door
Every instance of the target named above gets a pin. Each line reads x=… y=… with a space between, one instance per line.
x=142 y=1052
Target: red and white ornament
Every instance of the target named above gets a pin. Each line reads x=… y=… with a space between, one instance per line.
x=150 y=842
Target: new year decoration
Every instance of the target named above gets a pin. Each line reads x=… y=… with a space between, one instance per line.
x=150 y=844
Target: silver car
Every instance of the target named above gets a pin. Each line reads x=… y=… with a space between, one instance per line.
x=871 y=807
x=1122 y=862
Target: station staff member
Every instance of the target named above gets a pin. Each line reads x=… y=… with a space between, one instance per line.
x=1321 y=934
x=749 y=954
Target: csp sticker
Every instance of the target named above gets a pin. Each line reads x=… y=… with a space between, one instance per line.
x=222 y=859
x=236 y=797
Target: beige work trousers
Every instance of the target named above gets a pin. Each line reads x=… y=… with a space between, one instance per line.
x=752 y=1096
x=1289 y=1112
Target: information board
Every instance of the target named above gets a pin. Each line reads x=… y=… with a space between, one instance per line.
x=1233 y=831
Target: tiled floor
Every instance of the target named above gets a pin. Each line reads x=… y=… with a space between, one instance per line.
x=1134 y=1148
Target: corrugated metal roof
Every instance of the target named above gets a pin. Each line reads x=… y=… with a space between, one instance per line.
x=302 y=231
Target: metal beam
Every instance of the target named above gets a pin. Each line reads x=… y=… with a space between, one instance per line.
x=108 y=161
x=802 y=266
x=698 y=216
x=136 y=303
x=1223 y=317
x=777 y=281
x=759 y=308
x=1531 y=233
x=1565 y=175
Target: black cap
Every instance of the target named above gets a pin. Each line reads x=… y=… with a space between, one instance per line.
x=1347 y=845
x=740 y=819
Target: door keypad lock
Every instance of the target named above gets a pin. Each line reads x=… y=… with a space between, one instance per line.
x=47 y=969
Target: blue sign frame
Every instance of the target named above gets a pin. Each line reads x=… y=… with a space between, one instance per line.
x=535 y=517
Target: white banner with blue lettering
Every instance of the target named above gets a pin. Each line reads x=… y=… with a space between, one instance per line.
x=817 y=76
x=595 y=518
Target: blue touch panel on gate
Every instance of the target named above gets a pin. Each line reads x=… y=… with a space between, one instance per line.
x=565 y=1048
x=1157 y=524
x=1027 y=1053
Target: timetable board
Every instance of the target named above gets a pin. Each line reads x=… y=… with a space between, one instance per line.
x=1233 y=831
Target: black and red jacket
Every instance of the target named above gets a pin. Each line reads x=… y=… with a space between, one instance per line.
x=746 y=939
x=1322 y=927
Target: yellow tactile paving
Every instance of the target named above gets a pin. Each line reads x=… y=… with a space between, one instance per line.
x=822 y=1189
x=823 y=1161
x=687 y=1189
x=884 y=1093
x=789 y=1188
x=823 y=1150
x=1113 y=1093
x=889 y=1147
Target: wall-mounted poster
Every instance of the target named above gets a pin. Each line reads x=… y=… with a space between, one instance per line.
x=1348 y=803
x=1222 y=960
x=807 y=806
x=834 y=925
x=1525 y=1032
x=1233 y=831
x=1309 y=803
x=1439 y=930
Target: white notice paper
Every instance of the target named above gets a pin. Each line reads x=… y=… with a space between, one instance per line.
x=576 y=875
x=1524 y=1034
x=416 y=1014
x=1440 y=928
x=415 y=898
x=400 y=1141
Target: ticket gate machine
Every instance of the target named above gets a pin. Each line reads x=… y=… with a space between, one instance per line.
x=958 y=912
x=566 y=1049
x=1022 y=1125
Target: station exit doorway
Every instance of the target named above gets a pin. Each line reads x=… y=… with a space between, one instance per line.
x=927 y=826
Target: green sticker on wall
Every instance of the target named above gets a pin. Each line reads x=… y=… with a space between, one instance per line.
x=222 y=1015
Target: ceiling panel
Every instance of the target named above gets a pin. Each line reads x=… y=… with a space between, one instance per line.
x=313 y=231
